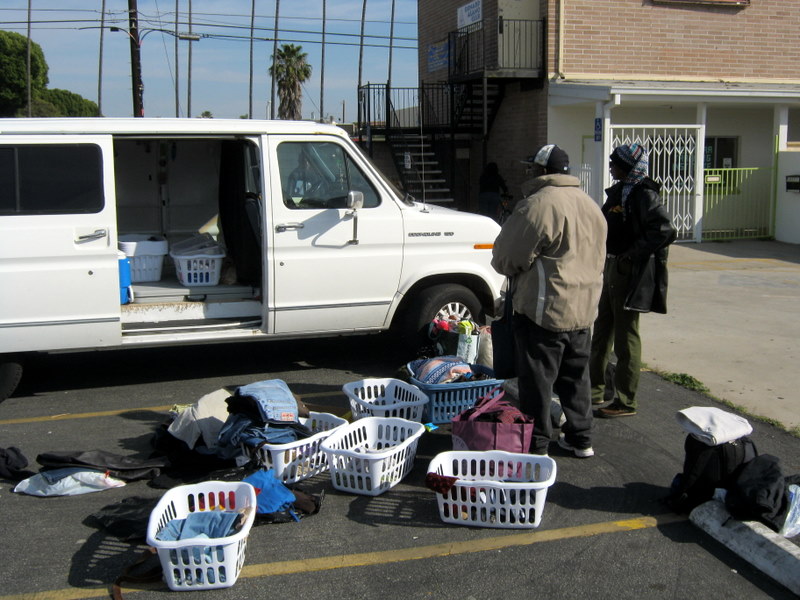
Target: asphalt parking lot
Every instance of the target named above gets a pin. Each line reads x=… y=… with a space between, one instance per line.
x=605 y=532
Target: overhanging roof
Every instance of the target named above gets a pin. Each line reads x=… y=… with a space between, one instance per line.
x=581 y=91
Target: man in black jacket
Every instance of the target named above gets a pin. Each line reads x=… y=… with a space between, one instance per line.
x=634 y=278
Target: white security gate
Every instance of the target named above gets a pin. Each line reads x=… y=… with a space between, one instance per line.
x=676 y=163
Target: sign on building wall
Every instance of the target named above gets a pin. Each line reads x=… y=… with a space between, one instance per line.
x=437 y=56
x=470 y=13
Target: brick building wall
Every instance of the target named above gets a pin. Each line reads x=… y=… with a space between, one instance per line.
x=519 y=130
x=642 y=39
x=435 y=19
x=646 y=40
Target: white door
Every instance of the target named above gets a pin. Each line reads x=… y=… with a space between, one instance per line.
x=332 y=270
x=59 y=274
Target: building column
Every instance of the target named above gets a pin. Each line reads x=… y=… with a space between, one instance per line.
x=699 y=172
x=602 y=179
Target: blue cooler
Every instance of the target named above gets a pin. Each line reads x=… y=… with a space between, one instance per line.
x=124 y=278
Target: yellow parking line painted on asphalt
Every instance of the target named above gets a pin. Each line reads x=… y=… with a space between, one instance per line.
x=344 y=561
x=89 y=415
x=452 y=548
x=164 y=408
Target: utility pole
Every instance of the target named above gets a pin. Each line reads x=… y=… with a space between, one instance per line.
x=28 y=63
x=274 y=52
x=252 y=24
x=177 y=63
x=100 y=60
x=136 y=60
x=189 y=68
x=322 y=69
x=391 y=47
x=361 y=45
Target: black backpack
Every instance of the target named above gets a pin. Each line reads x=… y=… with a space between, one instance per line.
x=706 y=468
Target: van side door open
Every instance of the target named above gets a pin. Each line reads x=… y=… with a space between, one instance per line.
x=314 y=248
x=58 y=243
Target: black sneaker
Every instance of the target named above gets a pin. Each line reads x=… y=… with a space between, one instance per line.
x=587 y=452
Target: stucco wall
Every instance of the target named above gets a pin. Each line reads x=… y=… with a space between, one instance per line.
x=787 y=214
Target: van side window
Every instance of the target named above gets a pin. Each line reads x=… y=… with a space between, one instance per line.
x=319 y=175
x=50 y=179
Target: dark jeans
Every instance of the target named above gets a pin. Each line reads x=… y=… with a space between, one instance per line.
x=551 y=362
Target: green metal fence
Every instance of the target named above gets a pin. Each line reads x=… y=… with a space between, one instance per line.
x=737 y=204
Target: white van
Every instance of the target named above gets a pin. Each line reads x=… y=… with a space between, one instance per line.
x=316 y=242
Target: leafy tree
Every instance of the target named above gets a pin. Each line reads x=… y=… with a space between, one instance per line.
x=290 y=69
x=206 y=114
x=68 y=104
x=14 y=72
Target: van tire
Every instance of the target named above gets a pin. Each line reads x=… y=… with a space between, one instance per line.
x=442 y=301
x=10 y=374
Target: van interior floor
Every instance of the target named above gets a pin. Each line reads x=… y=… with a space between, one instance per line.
x=173 y=291
x=168 y=305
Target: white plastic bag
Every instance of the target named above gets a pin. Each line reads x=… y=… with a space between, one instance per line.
x=791 y=527
x=467 y=347
x=69 y=481
x=485 y=351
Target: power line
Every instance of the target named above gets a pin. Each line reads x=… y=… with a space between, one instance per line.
x=162 y=15
x=158 y=24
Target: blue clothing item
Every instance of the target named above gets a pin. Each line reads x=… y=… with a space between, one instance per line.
x=274 y=399
x=199 y=525
x=230 y=436
x=240 y=429
x=271 y=494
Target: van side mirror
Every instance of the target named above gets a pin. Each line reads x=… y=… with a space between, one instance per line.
x=355 y=200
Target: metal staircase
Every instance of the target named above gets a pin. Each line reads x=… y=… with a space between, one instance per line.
x=419 y=167
x=421 y=127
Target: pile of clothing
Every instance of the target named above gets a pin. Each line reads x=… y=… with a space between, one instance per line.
x=228 y=426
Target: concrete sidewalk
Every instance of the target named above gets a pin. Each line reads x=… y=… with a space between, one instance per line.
x=733 y=324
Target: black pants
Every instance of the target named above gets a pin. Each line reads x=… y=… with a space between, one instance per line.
x=548 y=363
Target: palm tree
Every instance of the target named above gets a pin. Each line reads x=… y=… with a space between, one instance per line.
x=290 y=69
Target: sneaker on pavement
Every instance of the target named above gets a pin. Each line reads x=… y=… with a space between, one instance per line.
x=578 y=452
x=616 y=410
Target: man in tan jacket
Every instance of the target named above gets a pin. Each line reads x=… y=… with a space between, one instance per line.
x=553 y=249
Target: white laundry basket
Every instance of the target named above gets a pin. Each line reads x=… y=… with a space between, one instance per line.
x=146 y=254
x=372 y=454
x=494 y=488
x=198 y=260
x=301 y=459
x=202 y=563
x=385 y=398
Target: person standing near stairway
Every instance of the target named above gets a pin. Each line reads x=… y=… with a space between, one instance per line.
x=491 y=186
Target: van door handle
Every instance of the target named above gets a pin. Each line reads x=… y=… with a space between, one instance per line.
x=288 y=226
x=98 y=233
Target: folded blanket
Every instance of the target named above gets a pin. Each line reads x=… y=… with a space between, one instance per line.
x=713 y=426
x=442 y=369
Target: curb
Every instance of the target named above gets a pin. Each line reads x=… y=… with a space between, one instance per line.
x=765 y=549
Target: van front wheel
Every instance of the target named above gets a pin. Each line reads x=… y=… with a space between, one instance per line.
x=10 y=374
x=446 y=301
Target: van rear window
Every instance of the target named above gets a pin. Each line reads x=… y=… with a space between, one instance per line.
x=50 y=179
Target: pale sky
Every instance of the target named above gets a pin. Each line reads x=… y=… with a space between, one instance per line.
x=69 y=33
